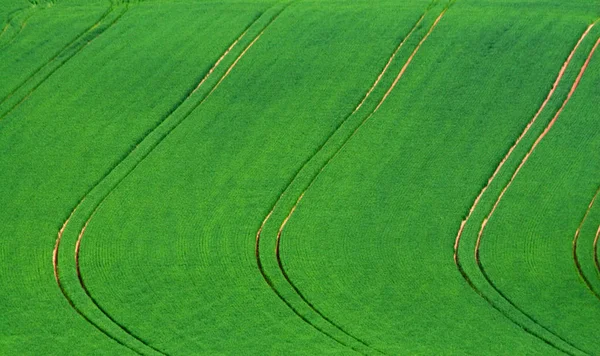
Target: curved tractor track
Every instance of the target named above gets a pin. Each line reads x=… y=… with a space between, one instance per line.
x=120 y=171
x=580 y=272
x=9 y=23
x=280 y=265
x=491 y=180
x=595 y=249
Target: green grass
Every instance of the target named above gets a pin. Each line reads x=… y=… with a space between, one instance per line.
x=103 y=124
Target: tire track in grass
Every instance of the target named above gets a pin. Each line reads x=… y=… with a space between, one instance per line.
x=21 y=27
x=512 y=148
x=582 y=275
x=63 y=52
x=126 y=171
x=282 y=270
x=523 y=161
x=595 y=251
x=9 y=18
x=484 y=189
x=69 y=300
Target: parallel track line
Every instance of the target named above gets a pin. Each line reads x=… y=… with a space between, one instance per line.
x=278 y=241
x=524 y=160
x=580 y=272
x=456 y=256
x=55 y=257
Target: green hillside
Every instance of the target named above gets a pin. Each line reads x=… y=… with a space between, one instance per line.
x=223 y=177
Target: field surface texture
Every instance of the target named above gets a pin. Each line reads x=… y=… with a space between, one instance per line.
x=300 y=177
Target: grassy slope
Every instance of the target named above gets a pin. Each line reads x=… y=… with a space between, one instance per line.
x=386 y=198
x=216 y=176
x=532 y=260
x=193 y=207
x=50 y=137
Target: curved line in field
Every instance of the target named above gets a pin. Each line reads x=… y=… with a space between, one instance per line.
x=595 y=251
x=512 y=148
x=21 y=27
x=389 y=62
x=55 y=256
x=480 y=195
x=582 y=275
x=533 y=147
x=58 y=54
x=11 y=16
x=64 y=292
x=278 y=241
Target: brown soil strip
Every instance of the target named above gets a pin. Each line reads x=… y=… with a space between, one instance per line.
x=580 y=272
x=21 y=27
x=55 y=257
x=278 y=241
x=64 y=292
x=4 y=30
x=212 y=69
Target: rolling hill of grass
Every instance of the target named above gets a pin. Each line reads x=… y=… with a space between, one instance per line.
x=299 y=177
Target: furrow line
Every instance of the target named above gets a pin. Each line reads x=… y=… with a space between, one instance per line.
x=535 y=144
x=271 y=285
x=21 y=27
x=389 y=62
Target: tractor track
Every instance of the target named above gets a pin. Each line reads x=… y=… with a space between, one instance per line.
x=595 y=250
x=21 y=27
x=281 y=268
x=130 y=155
x=523 y=161
x=580 y=272
x=456 y=257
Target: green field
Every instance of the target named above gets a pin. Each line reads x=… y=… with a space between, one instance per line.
x=223 y=177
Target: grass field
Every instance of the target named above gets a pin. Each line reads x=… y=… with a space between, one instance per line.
x=300 y=177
